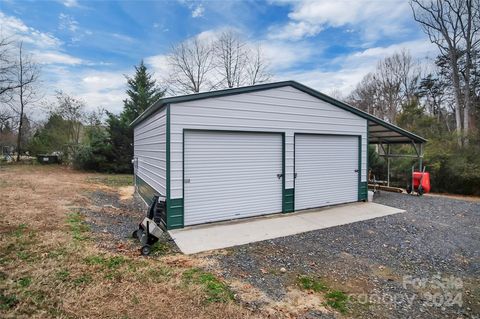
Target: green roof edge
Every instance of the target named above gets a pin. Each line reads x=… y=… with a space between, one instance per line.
x=260 y=87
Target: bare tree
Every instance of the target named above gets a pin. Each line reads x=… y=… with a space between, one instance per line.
x=226 y=62
x=337 y=94
x=257 y=67
x=231 y=57
x=397 y=76
x=384 y=92
x=191 y=61
x=237 y=62
x=365 y=96
x=26 y=77
x=453 y=25
x=73 y=112
x=7 y=69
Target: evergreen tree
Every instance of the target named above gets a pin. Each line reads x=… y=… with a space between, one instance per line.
x=142 y=92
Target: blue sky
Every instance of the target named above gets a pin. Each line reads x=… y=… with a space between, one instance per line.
x=86 y=47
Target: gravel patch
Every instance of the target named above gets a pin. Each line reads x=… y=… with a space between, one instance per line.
x=113 y=221
x=436 y=240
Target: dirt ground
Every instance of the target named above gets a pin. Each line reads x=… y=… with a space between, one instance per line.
x=66 y=252
x=53 y=264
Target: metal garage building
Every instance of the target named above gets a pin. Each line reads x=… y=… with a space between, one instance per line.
x=263 y=149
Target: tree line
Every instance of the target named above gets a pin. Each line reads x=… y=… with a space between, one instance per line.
x=440 y=101
x=101 y=140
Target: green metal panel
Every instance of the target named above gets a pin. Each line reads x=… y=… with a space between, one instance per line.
x=288 y=200
x=363 y=191
x=145 y=191
x=362 y=186
x=175 y=213
x=359 y=166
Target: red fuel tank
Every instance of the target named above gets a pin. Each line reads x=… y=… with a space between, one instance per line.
x=417 y=177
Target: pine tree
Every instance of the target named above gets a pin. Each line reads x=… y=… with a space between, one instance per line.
x=142 y=92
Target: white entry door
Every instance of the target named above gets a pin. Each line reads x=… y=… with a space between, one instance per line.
x=230 y=175
x=326 y=169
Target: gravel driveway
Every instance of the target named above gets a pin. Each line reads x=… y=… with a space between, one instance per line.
x=392 y=267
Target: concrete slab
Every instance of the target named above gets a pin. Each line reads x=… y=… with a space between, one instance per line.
x=201 y=238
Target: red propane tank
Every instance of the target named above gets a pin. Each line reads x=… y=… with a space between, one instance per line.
x=417 y=177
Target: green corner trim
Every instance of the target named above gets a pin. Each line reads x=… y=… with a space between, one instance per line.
x=359 y=167
x=145 y=191
x=175 y=213
x=288 y=200
x=363 y=191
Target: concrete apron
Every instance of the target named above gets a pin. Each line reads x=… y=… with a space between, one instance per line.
x=201 y=238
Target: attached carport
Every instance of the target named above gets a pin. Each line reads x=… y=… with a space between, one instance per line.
x=384 y=135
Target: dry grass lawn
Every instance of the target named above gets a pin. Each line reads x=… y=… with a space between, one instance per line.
x=50 y=267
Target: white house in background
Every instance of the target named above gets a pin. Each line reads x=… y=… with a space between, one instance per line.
x=257 y=150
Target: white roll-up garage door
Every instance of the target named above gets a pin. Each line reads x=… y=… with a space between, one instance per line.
x=231 y=175
x=327 y=170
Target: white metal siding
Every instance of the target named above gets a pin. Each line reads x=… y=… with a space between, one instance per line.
x=149 y=148
x=231 y=175
x=283 y=109
x=326 y=170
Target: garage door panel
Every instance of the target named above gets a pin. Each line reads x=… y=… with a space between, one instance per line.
x=325 y=167
x=231 y=175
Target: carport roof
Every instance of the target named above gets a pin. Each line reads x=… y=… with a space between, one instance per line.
x=380 y=131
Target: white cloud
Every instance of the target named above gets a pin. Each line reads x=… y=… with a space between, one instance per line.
x=56 y=57
x=15 y=28
x=159 y=64
x=353 y=67
x=198 y=11
x=282 y=55
x=371 y=18
x=96 y=88
x=122 y=37
x=67 y=22
x=62 y=71
x=70 y=3
x=45 y=47
x=295 y=30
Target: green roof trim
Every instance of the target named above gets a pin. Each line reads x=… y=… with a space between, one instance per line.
x=260 y=87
